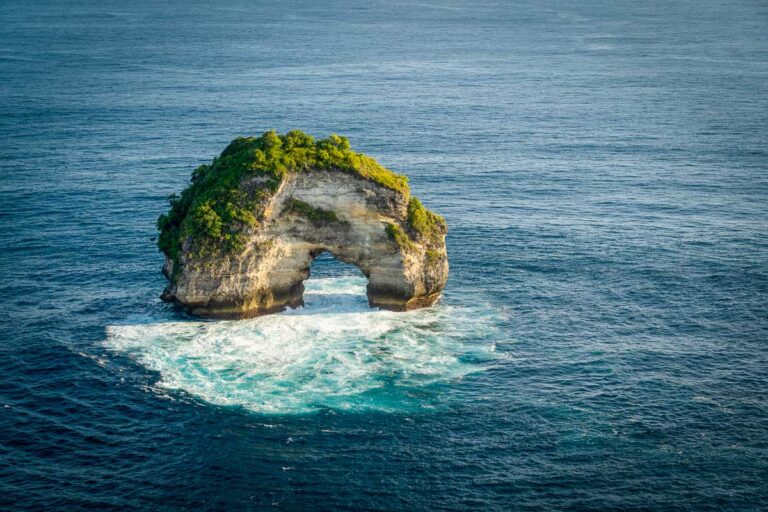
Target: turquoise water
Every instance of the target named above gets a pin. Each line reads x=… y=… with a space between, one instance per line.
x=601 y=344
x=334 y=353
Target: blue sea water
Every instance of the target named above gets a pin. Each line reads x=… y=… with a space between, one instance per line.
x=601 y=344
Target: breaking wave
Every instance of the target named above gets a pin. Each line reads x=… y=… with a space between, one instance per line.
x=334 y=353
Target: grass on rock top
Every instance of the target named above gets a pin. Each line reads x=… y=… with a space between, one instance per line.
x=427 y=224
x=219 y=204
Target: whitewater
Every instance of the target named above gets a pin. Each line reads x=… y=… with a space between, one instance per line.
x=335 y=352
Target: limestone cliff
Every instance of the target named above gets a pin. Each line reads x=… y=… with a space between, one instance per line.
x=240 y=239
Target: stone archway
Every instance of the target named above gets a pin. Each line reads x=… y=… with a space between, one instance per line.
x=357 y=220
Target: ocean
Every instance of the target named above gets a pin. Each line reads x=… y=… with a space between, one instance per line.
x=601 y=342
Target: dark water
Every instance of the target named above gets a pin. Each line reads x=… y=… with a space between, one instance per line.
x=603 y=170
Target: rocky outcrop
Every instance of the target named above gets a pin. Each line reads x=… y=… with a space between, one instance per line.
x=361 y=219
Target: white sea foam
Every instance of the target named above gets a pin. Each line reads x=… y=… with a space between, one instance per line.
x=335 y=352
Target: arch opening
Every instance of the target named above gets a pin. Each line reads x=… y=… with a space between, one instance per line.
x=333 y=285
x=326 y=265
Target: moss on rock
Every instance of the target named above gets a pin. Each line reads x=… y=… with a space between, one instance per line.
x=423 y=222
x=400 y=237
x=316 y=215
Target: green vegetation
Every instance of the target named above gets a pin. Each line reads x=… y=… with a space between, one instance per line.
x=400 y=237
x=317 y=215
x=433 y=257
x=425 y=223
x=219 y=204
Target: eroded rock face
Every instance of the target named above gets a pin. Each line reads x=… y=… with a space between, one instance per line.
x=357 y=220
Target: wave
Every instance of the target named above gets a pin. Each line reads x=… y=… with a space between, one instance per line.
x=333 y=353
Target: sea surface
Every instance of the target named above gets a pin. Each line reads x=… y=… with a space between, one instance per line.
x=602 y=343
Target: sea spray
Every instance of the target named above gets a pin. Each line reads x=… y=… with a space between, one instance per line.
x=335 y=353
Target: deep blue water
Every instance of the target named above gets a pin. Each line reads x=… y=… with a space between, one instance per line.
x=601 y=345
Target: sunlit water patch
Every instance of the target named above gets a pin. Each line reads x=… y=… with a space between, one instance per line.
x=335 y=352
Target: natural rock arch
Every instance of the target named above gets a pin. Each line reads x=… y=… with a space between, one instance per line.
x=257 y=265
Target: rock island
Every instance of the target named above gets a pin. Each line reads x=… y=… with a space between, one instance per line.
x=239 y=240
